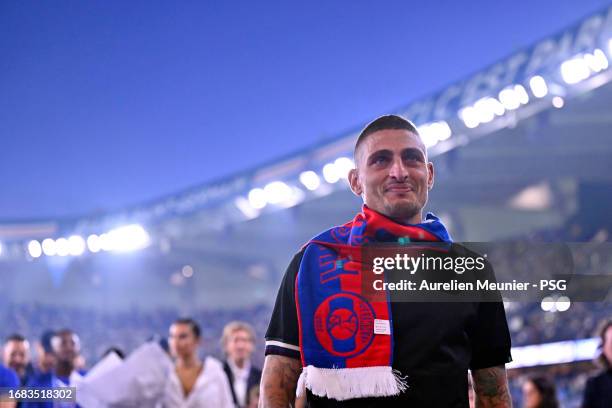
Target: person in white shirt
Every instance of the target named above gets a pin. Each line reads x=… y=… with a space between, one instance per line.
x=194 y=383
x=238 y=343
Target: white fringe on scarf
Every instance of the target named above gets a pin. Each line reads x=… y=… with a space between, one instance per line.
x=347 y=383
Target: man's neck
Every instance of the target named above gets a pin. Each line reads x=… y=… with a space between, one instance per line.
x=417 y=219
x=188 y=362
x=239 y=363
x=44 y=369
x=64 y=369
x=410 y=220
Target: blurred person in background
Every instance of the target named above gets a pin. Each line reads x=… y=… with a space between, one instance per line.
x=67 y=348
x=16 y=356
x=194 y=383
x=8 y=379
x=238 y=342
x=57 y=354
x=539 y=392
x=598 y=389
x=44 y=368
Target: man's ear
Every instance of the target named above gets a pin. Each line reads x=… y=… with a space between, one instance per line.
x=354 y=182
x=430 y=178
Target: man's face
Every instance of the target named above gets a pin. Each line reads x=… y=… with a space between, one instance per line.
x=607 y=345
x=46 y=359
x=17 y=355
x=182 y=341
x=393 y=175
x=66 y=347
x=239 y=346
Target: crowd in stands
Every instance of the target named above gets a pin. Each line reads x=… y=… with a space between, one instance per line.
x=126 y=330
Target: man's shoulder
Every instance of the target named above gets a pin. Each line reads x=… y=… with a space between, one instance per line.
x=332 y=234
x=297 y=257
x=296 y=260
x=213 y=368
x=8 y=378
x=213 y=363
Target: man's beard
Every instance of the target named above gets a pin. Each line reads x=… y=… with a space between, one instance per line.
x=403 y=211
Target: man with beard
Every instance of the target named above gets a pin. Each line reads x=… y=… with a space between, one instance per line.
x=16 y=355
x=340 y=349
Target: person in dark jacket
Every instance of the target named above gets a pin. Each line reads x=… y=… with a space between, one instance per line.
x=238 y=342
x=598 y=390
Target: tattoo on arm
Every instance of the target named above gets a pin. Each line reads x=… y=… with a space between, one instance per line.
x=491 y=388
x=279 y=381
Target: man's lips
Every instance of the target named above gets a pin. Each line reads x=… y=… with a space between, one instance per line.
x=399 y=188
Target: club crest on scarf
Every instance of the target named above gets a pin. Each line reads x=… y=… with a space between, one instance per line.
x=343 y=324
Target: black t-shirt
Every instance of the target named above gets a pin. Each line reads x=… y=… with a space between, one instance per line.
x=434 y=345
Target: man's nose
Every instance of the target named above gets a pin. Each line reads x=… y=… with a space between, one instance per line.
x=398 y=170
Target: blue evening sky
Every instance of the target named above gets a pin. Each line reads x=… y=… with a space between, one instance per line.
x=106 y=104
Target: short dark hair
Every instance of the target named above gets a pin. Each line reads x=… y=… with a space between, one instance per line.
x=65 y=332
x=46 y=339
x=15 y=337
x=383 y=123
x=195 y=327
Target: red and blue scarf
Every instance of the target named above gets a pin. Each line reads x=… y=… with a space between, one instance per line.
x=346 y=339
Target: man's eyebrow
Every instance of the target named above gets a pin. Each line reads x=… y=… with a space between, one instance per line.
x=413 y=150
x=408 y=150
x=385 y=152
